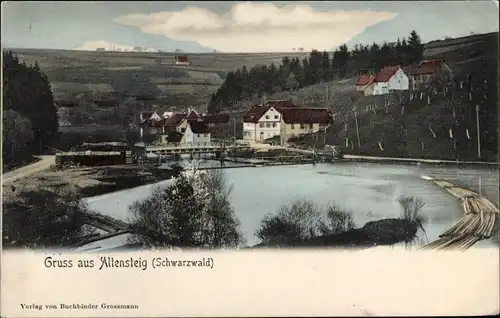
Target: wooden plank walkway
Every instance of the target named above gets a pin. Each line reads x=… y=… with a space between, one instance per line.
x=477 y=224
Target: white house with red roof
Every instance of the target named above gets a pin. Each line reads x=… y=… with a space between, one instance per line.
x=363 y=82
x=429 y=70
x=390 y=78
x=266 y=121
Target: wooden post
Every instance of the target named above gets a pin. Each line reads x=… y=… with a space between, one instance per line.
x=357 y=128
x=478 y=133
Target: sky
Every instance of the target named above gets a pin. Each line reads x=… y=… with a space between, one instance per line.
x=237 y=26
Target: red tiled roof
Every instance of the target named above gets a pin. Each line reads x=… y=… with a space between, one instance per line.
x=386 y=73
x=199 y=127
x=365 y=80
x=181 y=58
x=255 y=113
x=428 y=67
x=306 y=115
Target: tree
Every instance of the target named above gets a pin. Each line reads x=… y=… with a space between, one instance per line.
x=17 y=137
x=415 y=47
x=301 y=220
x=192 y=212
x=27 y=91
x=45 y=218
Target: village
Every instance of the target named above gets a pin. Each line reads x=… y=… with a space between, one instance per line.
x=271 y=124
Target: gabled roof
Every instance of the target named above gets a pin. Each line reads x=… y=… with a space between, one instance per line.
x=199 y=127
x=306 y=115
x=428 y=67
x=175 y=120
x=255 y=113
x=365 y=80
x=193 y=115
x=386 y=73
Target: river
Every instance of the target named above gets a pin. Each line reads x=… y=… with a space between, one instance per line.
x=369 y=190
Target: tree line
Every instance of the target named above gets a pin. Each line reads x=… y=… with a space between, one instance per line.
x=318 y=67
x=30 y=121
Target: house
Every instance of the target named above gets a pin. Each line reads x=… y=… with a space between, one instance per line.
x=197 y=134
x=149 y=115
x=388 y=79
x=299 y=121
x=181 y=60
x=429 y=70
x=261 y=122
x=363 y=82
x=264 y=122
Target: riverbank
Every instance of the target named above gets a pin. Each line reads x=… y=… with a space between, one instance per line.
x=391 y=160
x=89 y=181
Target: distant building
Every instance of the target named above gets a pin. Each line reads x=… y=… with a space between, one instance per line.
x=100 y=49
x=181 y=60
x=388 y=79
x=193 y=127
x=429 y=70
x=266 y=121
x=363 y=82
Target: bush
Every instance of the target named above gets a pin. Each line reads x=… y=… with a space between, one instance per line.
x=45 y=219
x=301 y=220
x=193 y=212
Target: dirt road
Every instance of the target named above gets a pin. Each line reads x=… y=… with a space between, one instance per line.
x=24 y=172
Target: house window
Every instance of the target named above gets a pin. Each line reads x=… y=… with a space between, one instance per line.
x=267 y=116
x=310 y=126
x=292 y=126
x=302 y=126
x=261 y=134
x=261 y=125
x=183 y=129
x=274 y=125
x=275 y=116
x=268 y=125
x=198 y=135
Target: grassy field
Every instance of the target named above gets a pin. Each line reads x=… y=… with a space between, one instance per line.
x=80 y=74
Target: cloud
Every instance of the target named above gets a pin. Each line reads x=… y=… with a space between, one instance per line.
x=93 y=45
x=258 y=27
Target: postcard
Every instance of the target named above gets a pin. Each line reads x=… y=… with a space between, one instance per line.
x=165 y=159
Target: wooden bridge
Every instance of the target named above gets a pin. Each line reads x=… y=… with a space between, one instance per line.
x=187 y=149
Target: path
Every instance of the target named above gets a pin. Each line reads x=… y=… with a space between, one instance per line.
x=25 y=171
x=477 y=223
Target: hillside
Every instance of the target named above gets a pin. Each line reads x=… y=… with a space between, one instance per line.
x=90 y=75
x=407 y=133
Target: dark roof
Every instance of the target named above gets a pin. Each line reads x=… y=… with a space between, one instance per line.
x=365 y=80
x=386 y=73
x=306 y=115
x=216 y=119
x=174 y=136
x=199 y=127
x=158 y=123
x=255 y=113
x=146 y=114
x=193 y=115
x=428 y=67
x=175 y=119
